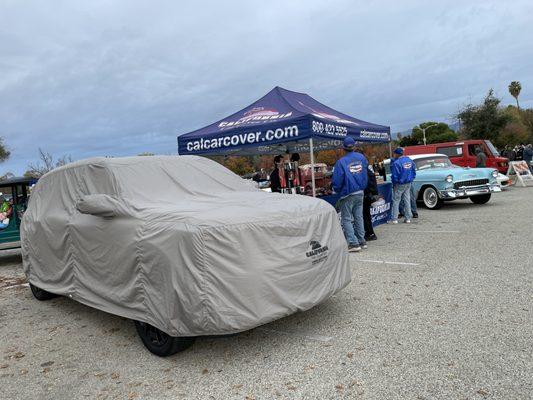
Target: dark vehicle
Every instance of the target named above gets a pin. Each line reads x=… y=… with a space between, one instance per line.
x=13 y=202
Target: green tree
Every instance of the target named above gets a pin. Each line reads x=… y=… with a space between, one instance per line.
x=514 y=88
x=4 y=152
x=436 y=132
x=484 y=121
x=408 y=140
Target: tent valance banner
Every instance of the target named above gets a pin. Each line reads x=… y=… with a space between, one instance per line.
x=281 y=121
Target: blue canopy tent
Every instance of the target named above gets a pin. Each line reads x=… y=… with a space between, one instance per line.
x=282 y=121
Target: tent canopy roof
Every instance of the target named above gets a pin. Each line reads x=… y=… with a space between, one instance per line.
x=281 y=118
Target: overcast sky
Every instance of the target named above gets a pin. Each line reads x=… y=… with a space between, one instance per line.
x=90 y=78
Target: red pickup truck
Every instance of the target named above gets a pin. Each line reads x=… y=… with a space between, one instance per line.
x=463 y=153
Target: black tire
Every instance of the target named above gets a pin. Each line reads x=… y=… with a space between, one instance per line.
x=41 y=294
x=431 y=198
x=481 y=199
x=160 y=343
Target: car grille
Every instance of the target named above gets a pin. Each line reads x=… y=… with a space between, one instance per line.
x=473 y=182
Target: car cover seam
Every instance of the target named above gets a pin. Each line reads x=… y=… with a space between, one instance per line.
x=203 y=272
x=260 y=222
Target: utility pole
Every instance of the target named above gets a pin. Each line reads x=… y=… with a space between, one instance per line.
x=424 y=131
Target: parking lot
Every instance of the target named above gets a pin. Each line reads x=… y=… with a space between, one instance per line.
x=439 y=309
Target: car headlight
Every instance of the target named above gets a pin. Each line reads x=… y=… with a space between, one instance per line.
x=495 y=174
x=449 y=179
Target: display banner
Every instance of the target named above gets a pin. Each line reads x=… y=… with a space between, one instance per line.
x=521 y=172
x=380 y=210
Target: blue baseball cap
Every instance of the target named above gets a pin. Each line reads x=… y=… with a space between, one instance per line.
x=398 y=150
x=349 y=143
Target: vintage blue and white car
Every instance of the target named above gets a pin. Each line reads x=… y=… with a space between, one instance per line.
x=438 y=180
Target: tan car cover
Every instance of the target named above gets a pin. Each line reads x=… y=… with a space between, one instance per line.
x=180 y=242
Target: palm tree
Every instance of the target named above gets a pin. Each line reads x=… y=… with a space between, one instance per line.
x=514 y=89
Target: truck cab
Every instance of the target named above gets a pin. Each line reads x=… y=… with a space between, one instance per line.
x=463 y=153
x=14 y=196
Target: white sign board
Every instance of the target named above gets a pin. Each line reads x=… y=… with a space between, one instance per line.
x=521 y=170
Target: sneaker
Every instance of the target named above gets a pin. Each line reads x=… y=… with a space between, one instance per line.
x=392 y=221
x=415 y=215
x=407 y=221
x=354 y=248
x=364 y=246
x=371 y=237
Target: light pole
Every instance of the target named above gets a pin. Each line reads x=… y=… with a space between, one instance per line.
x=424 y=131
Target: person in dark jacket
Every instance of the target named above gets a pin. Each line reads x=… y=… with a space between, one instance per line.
x=277 y=177
x=481 y=158
x=349 y=180
x=371 y=192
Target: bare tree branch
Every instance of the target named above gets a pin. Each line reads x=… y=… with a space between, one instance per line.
x=46 y=164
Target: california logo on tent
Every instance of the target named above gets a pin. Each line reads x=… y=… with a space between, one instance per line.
x=321 y=114
x=256 y=114
x=260 y=111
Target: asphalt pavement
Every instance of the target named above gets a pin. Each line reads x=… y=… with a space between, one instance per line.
x=439 y=309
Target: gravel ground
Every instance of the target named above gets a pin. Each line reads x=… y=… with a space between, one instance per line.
x=440 y=309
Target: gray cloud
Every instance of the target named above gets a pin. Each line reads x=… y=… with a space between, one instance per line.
x=102 y=78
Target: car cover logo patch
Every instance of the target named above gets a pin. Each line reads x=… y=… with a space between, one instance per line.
x=317 y=252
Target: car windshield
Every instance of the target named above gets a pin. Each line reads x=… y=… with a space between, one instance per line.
x=492 y=149
x=432 y=162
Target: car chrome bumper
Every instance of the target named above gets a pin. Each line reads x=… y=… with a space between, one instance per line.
x=469 y=191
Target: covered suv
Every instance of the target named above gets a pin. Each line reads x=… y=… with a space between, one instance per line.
x=180 y=245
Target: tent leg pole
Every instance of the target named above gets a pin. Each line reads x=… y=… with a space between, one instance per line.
x=312 y=155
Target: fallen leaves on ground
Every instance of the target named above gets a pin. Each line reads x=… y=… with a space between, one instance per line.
x=7 y=281
x=47 y=364
x=18 y=355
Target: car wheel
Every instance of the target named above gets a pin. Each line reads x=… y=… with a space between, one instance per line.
x=160 y=343
x=481 y=199
x=41 y=294
x=431 y=198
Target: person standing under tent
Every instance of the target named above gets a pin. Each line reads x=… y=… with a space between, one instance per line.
x=277 y=177
x=350 y=180
x=295 y=158
x=371 y=192
x=403 y=173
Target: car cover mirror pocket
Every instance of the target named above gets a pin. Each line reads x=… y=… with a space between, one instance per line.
x=101 y=205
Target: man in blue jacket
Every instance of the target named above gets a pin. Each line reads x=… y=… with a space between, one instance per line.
x=403 y=173
x=350 y=180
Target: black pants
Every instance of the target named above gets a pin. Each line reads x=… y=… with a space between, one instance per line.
x=367 y=219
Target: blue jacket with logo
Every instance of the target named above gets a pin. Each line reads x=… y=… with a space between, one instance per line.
x=349 y=174
x=403 y=170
